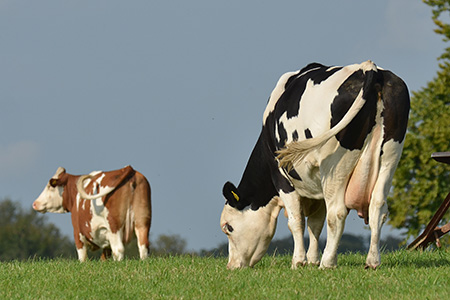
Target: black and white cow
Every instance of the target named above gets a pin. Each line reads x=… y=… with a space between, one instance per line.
x=330 y=142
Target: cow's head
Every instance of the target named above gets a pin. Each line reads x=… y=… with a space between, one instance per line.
x=249 y=231
x=51 y=198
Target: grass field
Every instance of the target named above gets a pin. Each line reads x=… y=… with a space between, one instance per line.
x=402 y=275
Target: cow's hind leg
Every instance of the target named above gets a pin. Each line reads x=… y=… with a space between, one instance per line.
x=117 y=247
x=378 y=210
x=336 y=215
x=142 y=240
x=142 y=208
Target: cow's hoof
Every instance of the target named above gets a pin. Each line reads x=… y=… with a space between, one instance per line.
x=327 y=266
x=314 y=263
x=372 y=267
x=297 y=264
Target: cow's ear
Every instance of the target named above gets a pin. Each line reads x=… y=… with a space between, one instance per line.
x=53 y=182
x=231 y=194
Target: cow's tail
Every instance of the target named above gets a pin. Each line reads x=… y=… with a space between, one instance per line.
x=296 y=151
x=128 y=226
x=84 y=195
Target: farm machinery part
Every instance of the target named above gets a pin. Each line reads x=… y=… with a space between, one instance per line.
x=432 y=232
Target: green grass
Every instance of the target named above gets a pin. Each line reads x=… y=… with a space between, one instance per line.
x=402 y=275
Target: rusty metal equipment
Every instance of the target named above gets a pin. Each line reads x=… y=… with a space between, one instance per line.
x=432 y=233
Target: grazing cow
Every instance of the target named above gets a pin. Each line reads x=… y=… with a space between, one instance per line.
x=105 y=207
x=330 y=142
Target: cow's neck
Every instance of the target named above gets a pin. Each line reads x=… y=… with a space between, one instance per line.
x=256 y=186
x=70 y=193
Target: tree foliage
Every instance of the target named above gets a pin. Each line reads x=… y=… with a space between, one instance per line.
x=168 y=245
x=164 y=245
x=421 y=184
x=25 y=234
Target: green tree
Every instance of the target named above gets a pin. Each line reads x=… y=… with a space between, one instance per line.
x=163 y=246
x=421 y=184
x=25 y=234
x=168 y=245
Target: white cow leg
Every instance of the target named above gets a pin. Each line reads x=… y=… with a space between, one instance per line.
x=82 y=253
x=315 y=226
x=117 y=247
x=378 y=209
x=80 y=244
x=142 y=241
x=336 y=215
x=296 y=224
x=378 y=212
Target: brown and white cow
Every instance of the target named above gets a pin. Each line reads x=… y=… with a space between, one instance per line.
x=330 y=142
x=105 y=208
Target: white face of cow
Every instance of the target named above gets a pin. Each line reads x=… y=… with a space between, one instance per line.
x=51 y=200
x=249 y=232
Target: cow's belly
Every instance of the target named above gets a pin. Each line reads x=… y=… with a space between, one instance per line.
x=100 y=228
x=308 y=183
x=100 y=236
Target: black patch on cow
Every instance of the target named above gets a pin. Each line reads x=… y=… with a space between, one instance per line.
x=311 y=66
x=318 y=77
x=295 y=135
x=295 y=86
x=279 y=180
x=308 y=134
x=294 y=89
x=282 y=133
x=396 y=104
x=353 y=136
x=294 y=175
x=317 y=72
x=256 y=187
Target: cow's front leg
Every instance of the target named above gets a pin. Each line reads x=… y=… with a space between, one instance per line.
x=336 y=214
x=81 y=248
x=117 y=247
x=315 y=223
x=296 y=224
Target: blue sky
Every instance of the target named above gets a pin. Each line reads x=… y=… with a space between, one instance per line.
x=176 y=89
